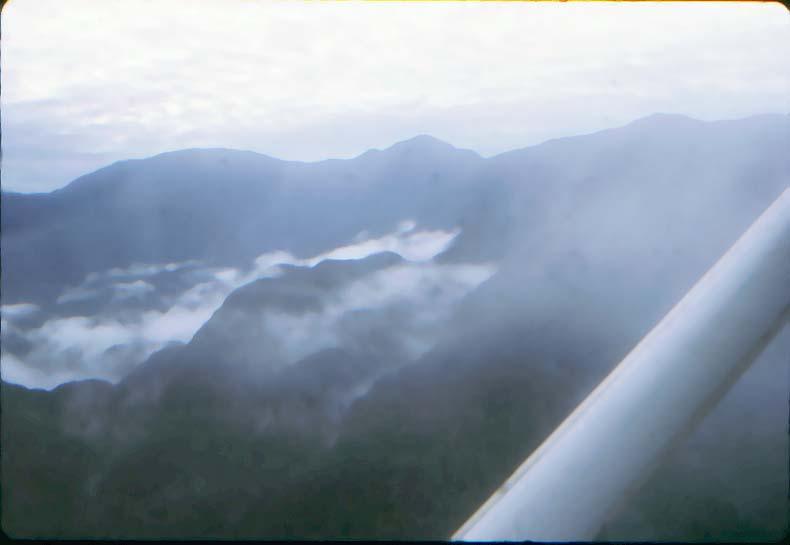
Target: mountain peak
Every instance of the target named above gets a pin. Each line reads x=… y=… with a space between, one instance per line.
x=665 y=119
x=423 y=140
x=422 y=143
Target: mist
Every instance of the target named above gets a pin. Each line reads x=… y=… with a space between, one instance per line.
x=138 y=319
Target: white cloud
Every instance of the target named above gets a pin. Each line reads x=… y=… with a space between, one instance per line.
x=403 y=307
x=285 y=78
x=131 y=290
x=79 y=293
x=406 y=226
x=19 y=310
x=109 y=344
x=412 y=245
x=143 y=269
x=95 y=283
x=15 y=371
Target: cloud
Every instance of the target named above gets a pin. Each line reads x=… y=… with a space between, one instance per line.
x=129 y=290
x=406 y=226
x=143 y=269
x=419 y=299
x=412 y=245
x=122 y=334
x=18 y=310
x=77 y=294
x=392 y=315
x=99 y=283
x=287 y=78
x=14 y=371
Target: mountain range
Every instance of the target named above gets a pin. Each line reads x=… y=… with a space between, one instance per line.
x=218 y=344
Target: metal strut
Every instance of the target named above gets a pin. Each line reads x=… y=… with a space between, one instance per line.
x=567 y=487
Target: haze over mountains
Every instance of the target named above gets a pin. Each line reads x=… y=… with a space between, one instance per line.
x=368 y=347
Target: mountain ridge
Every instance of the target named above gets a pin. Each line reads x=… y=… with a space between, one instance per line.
x=593 y=240
x=410 y=143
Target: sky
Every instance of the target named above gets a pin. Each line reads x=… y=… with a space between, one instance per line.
x=86 y=83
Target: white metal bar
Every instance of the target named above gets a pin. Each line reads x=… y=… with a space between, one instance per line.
x=567 y=487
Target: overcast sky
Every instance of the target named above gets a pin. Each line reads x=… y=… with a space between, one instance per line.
x=86 y=83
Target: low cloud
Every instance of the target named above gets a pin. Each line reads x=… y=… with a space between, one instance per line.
x=128 y=290
x=399 y=310
x=18 y=310
x=121 y=335
x=121 y=283
x=16 y=371
x=413 y=246
x=141 y=269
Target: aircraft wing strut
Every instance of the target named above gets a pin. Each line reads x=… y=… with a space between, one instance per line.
x=565 y=490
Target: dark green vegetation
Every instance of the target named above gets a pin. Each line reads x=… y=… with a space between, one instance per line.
x=595 y=238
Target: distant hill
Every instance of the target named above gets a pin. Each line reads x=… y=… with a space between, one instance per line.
x=224 y=207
